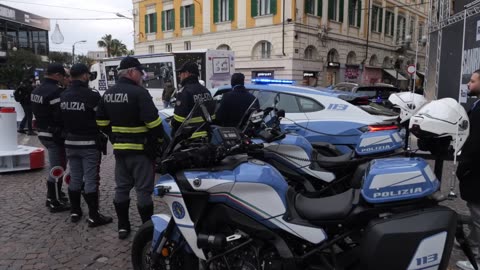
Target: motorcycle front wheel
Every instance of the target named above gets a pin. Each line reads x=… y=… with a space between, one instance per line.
x=142 y=259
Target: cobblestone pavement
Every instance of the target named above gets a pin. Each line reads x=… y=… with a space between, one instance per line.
x=33 y=238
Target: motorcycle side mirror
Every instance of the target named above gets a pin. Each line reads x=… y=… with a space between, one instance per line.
x=281 y=113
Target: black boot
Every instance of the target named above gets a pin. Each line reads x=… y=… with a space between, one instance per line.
x=53 y=203
x=61 y=195
x=146 y=212
x=123 y=220
x=76 y=211
x=95 y=219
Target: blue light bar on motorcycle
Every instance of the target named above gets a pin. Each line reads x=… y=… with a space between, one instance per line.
x=272 y=81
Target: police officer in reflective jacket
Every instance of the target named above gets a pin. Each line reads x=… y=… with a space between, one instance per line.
x=46 y=108
x=83 y=143
x=127 y=109
x=191 y=91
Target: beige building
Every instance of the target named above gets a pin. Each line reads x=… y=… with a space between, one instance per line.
x=319 y=42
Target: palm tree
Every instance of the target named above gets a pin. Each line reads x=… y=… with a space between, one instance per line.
x=106 y=42
x=118 y=48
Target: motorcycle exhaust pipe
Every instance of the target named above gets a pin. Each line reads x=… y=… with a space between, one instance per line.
x=216 y=241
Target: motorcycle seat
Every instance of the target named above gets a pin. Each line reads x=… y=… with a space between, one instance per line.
x=327 y=162
x=327 y=208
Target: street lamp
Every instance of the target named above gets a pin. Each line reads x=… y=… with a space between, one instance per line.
x=123 y=16
x=73 y=50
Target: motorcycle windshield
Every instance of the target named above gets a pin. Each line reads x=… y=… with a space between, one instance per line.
x=197 y=121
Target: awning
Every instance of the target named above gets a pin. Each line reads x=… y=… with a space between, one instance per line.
x=395 y=74
x=421 y=73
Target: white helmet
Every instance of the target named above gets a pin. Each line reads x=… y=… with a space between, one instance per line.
x=409 y=103
x=444 y=118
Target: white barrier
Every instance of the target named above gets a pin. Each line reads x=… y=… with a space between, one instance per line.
x=8 y=129
x=7 y=100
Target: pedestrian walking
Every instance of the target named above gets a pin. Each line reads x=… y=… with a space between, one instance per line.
x=22 y=95
x=468 y=171
x=127 y=112
x=83 y=143
x=167 y=93
x=46 y=108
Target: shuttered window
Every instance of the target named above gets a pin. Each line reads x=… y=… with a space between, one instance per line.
x=335 y=10
x=377 y=19
x=187 y=16
x=151 y=23
x=264 y=7
x=354 y=12
x=389 y=23
x=223 y=10
x=313 y=7
x=168 y=20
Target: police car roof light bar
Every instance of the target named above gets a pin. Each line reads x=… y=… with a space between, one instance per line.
x=272 y=81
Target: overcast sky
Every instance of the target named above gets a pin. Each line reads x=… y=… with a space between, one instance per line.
x=89 y=30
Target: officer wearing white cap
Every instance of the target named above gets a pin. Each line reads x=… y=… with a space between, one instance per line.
x=128 y=113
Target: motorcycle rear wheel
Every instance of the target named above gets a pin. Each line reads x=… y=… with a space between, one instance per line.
x=141 y=257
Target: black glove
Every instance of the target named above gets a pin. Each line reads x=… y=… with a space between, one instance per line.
x=102 y=141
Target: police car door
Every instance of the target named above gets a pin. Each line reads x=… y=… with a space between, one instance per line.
x=294 y=119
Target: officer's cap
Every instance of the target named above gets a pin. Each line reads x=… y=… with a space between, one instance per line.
x=79 y=69
x=130 y=62
x=189 y=67
x=54 y=68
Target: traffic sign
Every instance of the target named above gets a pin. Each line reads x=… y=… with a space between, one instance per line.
x=411 y=69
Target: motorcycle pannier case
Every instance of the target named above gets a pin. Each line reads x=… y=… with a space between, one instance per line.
x=398 y=179
x=421 y=239
x=379 y=142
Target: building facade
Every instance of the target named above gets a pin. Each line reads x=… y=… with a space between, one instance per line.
x=23 y=30
x=315 y=42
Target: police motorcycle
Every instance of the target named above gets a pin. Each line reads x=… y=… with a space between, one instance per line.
x=308 y=166
x=231 y=211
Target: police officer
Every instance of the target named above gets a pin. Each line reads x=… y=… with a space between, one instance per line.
x=82 y=143
x=468 y=171
x=23 y=93
x=46 y=108
x=235 y=103
x=191 y=91
x=128 y=110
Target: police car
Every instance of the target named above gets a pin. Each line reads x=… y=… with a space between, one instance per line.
x=319 y=115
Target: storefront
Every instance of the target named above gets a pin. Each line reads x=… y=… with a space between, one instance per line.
x=22 y=30
x=392 y=76
x=371 y=75
x=310 y=78
x=352 y=73
x=263 y=74
x=333 y=73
